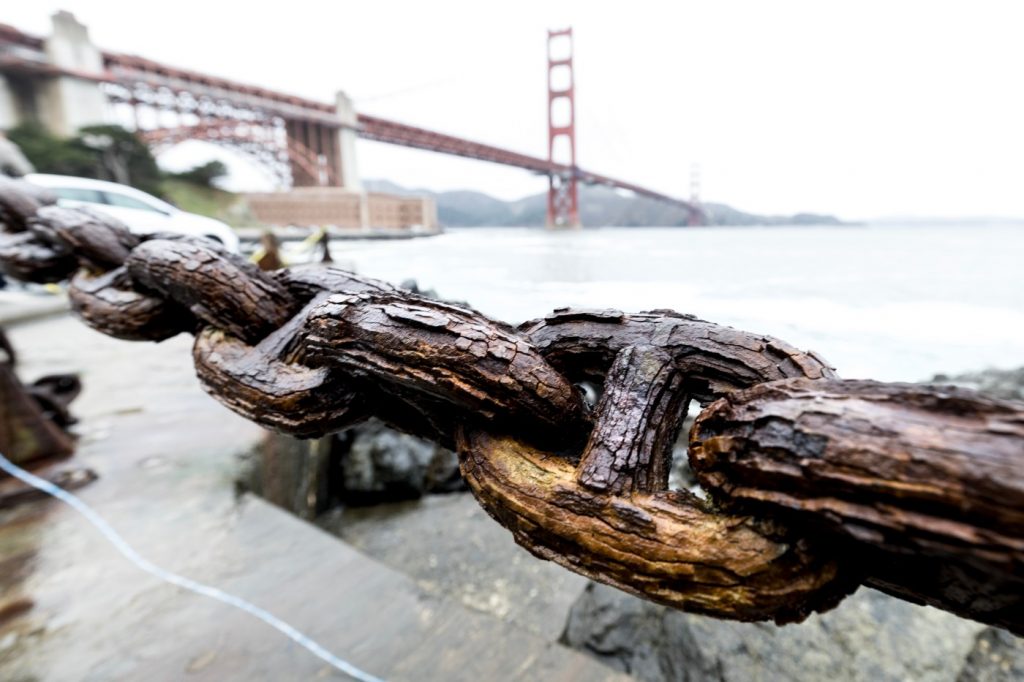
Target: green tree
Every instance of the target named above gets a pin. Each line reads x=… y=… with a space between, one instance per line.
x=104 y=152
x=203 y=175
x=120 y=156
x=51 y=154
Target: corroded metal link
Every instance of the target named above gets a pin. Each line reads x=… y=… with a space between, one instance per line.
x=924 y=484
x=25 y=257
x=433 y=368
x=109 y=304
x=451 y=356
x=22 y=254
x=20 y=201
x=266 y=382
x=219 y=288
x=289 y=383
x=99 y=241
x=610 y=516
x=49 y=245
x=653 y=364
x=263 y=385
x=715 y=359
x=305 y=282
x=912 y=490
x=669 y=546
x=636 y=424
x=251 y=333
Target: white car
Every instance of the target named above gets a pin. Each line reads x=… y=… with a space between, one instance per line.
x=141 y=212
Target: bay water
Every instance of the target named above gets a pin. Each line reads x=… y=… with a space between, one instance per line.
x=895 y=303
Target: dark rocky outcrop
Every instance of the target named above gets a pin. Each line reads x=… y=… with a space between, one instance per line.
x=380 y=464
x=1007 y=384
x=869 y=636
x=366 y=464
x=997 y=656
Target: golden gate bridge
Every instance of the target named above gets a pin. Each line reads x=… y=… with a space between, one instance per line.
x=66 y=82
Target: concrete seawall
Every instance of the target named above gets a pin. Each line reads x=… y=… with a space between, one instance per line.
x=344 y=209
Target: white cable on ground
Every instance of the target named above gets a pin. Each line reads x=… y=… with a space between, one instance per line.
x=129 y=553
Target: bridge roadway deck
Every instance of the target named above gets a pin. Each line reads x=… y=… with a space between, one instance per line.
x=73 y=609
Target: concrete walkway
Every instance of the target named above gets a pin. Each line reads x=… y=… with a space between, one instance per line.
x=73 y=609
x=19 y=307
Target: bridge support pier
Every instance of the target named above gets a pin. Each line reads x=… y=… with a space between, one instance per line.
x=10 y=110
x=563 y=202
x=324 y=154
x=312 y=153
x=346 y=169
x=74 y=99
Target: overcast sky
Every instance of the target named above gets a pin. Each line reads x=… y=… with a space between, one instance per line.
x=862 y=109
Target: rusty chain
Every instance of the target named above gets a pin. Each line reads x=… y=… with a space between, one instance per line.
x=816 y=485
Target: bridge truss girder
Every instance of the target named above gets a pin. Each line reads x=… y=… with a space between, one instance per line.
x=295 y=152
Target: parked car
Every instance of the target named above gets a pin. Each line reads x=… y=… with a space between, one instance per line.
x=141 y=212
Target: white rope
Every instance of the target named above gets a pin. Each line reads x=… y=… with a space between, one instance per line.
x=129 y=553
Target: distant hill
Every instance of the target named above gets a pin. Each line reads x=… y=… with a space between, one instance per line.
x=932 y=221
x=599 y=207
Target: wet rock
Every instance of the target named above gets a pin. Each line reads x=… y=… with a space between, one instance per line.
x=367 y=464
x=414 y=286
x=1007 y=384
x=869 y=637
x=997 y=656
x=381 y=464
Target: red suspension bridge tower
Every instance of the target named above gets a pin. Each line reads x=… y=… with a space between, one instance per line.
x=696 y=216
x=563 y=197
x=301 y=141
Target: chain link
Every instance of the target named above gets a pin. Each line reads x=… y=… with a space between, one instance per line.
x=309 y=351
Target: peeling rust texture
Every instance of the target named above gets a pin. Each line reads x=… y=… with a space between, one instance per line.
x=636 y=424
x=24 y=257
x=260 y=383
x=99 y=241
x=668 y=547
x=20 y=200
x=817 y=485
x=925 y=484
x=420 y=347
x=108 y=304
x=217 y=287
x=714 y=359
